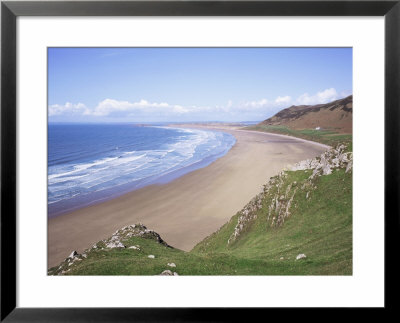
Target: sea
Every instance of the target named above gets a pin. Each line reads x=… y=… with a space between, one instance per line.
x=90 y=163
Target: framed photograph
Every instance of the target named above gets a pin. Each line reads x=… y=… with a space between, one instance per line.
x=210 y=141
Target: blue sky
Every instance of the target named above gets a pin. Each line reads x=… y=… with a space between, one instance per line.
x=191 y=84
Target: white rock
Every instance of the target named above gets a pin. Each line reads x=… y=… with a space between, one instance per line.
x=167 y=273
x=171 y=264
x=281 y=258
x=301 y=256
x=151 y=256
x=117 y=244
x=315 y=173
x=326 y=170
x=349 y=166
x=134 y=247
x=73 y=254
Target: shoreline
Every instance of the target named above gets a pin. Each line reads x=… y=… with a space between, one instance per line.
x=189 y=208
x=238 y=128
x=79 y=202
x=291 y=137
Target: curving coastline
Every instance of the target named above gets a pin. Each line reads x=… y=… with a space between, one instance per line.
x=122 y=158
x=190 y=207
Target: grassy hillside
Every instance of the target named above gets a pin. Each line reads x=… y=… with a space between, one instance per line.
x=336 y=115
x=333 y=120
x=307 y=210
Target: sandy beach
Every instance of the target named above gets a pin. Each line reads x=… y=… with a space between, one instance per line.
x=189 y=208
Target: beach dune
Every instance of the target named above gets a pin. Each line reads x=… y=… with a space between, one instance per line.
x=189 y=208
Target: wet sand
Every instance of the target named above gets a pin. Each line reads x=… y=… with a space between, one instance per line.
x=189 y=208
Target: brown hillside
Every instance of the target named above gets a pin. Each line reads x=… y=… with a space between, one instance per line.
x=336 y=115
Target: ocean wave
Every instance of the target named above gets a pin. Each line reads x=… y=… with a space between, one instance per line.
x=190 y=146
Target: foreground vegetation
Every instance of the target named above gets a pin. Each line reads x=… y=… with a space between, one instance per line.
x=300 y=224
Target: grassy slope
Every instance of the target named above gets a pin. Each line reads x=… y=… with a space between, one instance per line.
x=320 y=227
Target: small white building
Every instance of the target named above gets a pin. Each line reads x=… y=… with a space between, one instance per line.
x=318 y=128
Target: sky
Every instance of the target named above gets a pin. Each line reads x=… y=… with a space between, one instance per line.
x=191 y=84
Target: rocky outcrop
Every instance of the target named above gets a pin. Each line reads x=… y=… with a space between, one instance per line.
x=247 y=215
x=134 y=230
x=279 y=208
x=279 y=195
x=119 y=240
x=331 y=159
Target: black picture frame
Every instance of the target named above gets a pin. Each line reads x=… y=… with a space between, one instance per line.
x=10 y=10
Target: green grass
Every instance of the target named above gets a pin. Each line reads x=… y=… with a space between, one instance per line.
x=320 y=227
x=328 y=137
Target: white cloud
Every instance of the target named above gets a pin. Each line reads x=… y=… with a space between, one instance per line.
x=262 y=105
x=68 y=108
x=154 y=111
x=325 y=96
x=109 y=107
x=255 y=104
x=144 y=109
x=283 y=100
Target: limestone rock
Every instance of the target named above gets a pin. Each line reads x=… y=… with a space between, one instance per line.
x=168 y=273
x=73 y=254
x=301 y=256
x=115 y=244
x=248 y=214
x=349 y=166
x=331 y=159
x=326 y=170
x=118 y=240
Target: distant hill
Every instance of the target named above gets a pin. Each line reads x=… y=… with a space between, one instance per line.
x=336 y=115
